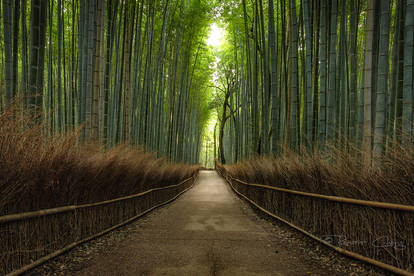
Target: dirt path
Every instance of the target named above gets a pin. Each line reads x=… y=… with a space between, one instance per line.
x=208 y=231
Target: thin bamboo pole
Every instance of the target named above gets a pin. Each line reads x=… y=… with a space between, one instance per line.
x=342 y=251
x=376 y=204
x=74 y=244
x=64 y=209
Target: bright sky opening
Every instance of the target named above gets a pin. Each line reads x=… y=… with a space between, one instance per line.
x=216 y=35
x=215 y=40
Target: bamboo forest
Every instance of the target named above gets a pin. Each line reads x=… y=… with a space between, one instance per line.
x=302 y=109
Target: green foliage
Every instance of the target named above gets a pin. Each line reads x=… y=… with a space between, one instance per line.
x=142 y=73
x=319 y=75
x=123 y=73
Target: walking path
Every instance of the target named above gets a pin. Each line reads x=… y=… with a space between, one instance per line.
x=207 y=231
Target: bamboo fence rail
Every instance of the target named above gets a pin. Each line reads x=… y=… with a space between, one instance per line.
x=45 y=234
x=348 y=226
x=376 y=204
x=52 y=211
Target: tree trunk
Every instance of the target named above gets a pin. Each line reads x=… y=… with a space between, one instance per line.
x=407 y=114
x=294 y=96
x=273 y=53
x=368 y=87
x=323 y=65
x=382 y=81
x=37 y=53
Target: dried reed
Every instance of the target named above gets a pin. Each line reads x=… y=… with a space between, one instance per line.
x=381 y=234
x=39 y=172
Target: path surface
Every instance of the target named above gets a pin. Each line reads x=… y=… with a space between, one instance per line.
x=207 y=231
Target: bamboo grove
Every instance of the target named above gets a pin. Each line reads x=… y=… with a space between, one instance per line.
x=305 y=74
x=126 y=71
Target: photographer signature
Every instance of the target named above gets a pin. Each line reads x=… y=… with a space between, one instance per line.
x=381 y=242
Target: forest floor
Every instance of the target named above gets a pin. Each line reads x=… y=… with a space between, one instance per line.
x=207 y=231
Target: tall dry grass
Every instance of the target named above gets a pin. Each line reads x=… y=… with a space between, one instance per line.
x=382 y=234
x=39 y=173
x=335 y=172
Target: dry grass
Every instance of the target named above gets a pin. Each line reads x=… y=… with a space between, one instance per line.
x=39 y=173
x=385 y=235
x=335 y=173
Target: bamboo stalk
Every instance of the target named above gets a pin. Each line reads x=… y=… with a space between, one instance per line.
x=64 y=209
x=376 y=204
x=35 y=214
x=130 y=196
x=342 y=251
x=74 y=244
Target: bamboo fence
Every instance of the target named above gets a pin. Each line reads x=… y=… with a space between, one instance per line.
x=377 y=233
x=32 y=238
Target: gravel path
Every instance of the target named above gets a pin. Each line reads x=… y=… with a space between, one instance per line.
x=207 y=231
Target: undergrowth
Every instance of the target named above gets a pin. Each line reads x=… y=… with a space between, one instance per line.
x=336 y=172
x=379 y=233
x=38 y=172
